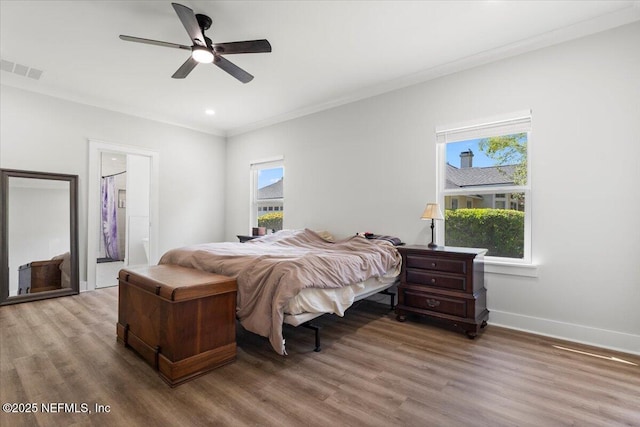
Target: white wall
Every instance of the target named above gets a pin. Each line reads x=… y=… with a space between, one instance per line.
x=137 y=211
x=47 y=134
x=370 y=165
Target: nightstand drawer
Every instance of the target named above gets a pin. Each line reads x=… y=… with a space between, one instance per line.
x=452 y=306
x=439 y=264
x=429 y=278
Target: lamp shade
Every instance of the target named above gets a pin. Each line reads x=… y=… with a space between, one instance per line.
x=432 y=211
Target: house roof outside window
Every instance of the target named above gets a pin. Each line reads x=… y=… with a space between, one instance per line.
x=271 y=191
x=473 y=177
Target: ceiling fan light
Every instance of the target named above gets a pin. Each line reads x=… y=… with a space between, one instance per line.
x=202 y=55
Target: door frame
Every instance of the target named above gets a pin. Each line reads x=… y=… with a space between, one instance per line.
x=96 y=148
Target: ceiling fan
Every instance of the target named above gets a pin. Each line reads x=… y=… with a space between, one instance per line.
x=203 y=50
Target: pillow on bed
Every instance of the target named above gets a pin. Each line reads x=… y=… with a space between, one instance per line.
x=326 y=236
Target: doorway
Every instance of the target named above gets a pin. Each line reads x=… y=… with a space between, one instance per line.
x=122 y=211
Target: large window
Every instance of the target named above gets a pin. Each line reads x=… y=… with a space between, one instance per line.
x=267 y=194
x=484 y=186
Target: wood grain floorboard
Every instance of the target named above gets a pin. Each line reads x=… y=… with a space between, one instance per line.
x=372 y=371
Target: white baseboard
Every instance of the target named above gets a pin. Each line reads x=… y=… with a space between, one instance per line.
x=618 y=341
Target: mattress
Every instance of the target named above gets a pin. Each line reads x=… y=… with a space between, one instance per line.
x=313 y=302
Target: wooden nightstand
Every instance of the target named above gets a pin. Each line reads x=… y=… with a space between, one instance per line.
x=443 y=283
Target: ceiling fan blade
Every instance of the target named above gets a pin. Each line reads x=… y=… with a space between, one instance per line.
x=188 y=19
x=249 y=46
x=185 y=69
x=232 y=69
x=154 y=42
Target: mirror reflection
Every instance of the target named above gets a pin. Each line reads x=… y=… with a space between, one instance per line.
x=39 y=235
x=39 y=230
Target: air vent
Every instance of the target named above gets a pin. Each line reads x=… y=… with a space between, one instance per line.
x=21 y=70
x=34 y=73
x=6 y=66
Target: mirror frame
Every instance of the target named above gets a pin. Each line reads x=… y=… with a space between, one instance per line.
x=5 y=174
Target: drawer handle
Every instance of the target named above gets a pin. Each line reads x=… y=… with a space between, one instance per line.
x=433 y=280
x=433 y=264
x=433 y=302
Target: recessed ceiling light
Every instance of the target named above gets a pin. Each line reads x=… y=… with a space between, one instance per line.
x=209 y=112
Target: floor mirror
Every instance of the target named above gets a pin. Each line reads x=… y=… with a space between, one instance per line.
x=39 y=230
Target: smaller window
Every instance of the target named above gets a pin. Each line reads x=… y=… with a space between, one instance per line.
x=267 y=194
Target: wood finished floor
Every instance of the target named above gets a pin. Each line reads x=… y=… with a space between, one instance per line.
x=372 y=371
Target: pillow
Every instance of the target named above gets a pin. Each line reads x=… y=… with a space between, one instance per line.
x=326 y=236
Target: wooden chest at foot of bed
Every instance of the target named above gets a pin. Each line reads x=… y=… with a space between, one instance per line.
x=180 y=320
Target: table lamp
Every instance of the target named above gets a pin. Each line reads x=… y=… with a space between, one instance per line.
x=432 y=212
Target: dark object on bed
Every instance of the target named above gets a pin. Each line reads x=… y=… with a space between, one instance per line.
x=180 y=320
x=395 y=241
x=39 y=276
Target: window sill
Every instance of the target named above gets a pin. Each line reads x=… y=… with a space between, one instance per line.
x=510 y=268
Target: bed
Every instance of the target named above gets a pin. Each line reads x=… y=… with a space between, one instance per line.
x=293 y=276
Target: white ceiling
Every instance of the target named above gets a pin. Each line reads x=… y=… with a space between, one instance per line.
x=325 y=53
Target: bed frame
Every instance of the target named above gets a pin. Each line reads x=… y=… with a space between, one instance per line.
x=304 y=319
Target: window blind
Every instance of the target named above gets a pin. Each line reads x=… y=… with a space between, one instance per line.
x=275 y=162
x=504 y=125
